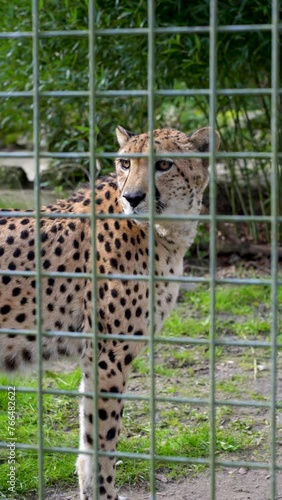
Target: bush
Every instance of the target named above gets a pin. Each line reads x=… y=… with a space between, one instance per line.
x=182 y=61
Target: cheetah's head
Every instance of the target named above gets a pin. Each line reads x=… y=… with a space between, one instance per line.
x=179 y=182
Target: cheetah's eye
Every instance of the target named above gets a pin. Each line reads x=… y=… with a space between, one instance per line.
x=125 y=164
x=163 y=165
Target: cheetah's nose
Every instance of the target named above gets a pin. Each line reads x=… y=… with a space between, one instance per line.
x=134 y=197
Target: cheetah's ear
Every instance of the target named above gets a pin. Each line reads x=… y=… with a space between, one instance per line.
x=201 y=139
x=123 y=135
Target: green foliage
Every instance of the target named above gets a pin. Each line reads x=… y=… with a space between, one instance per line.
x=182 y=61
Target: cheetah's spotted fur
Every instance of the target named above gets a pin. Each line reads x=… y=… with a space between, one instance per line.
x=122 y=248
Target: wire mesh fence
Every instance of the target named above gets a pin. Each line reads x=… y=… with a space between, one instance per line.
x=93 y=35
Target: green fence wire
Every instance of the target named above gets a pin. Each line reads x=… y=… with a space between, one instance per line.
x=37 y=204
x=151 y=93
x=212 y=103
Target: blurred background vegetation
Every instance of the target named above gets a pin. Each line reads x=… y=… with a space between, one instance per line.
x=182 y=62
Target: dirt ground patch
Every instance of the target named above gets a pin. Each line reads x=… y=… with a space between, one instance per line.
x=230 y=485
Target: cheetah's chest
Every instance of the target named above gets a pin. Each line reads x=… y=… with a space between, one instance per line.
x=124 y=306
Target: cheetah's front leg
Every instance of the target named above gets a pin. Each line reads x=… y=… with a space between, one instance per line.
x=109 y=414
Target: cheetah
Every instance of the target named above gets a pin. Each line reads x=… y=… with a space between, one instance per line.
x=122 y=248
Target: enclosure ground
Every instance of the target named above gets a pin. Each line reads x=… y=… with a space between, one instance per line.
x=230 y=485
x=241 y=373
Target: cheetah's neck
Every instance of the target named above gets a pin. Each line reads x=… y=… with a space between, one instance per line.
x=178 y=237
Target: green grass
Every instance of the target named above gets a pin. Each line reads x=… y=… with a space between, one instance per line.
x=243 y=311
x=24 y=198
x=181 y=370
x=239 y=300
x=179 y=440
x=60 y=428
x=6 y=205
